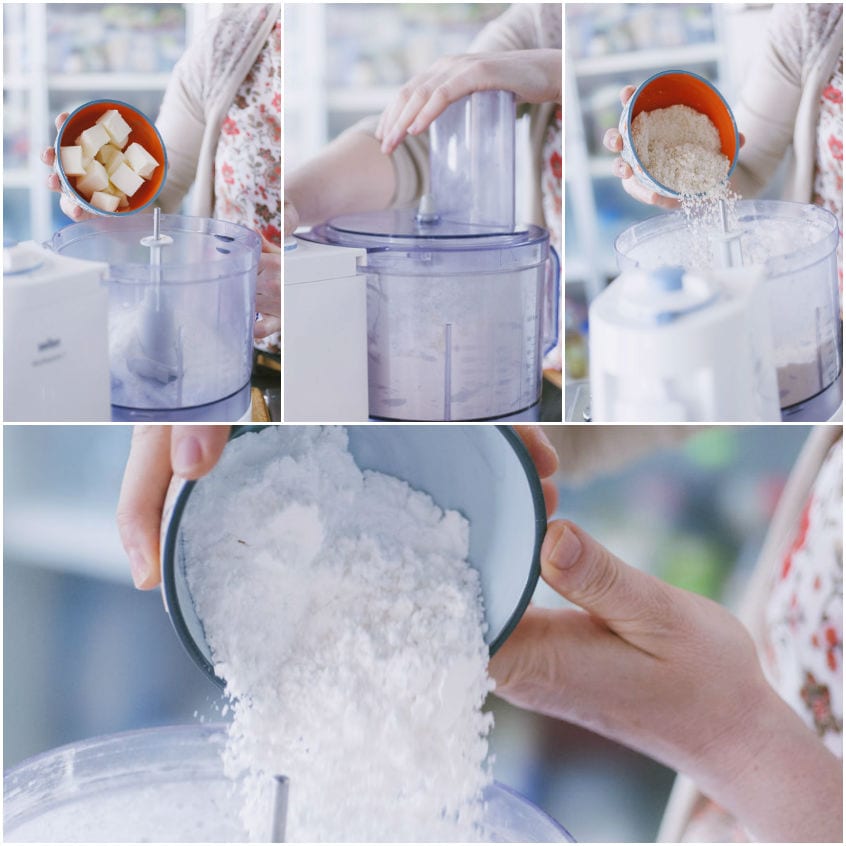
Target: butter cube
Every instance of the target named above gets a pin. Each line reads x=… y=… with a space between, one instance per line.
x=117 y=128
x=72 y=161
x=104 y=201
x=107 y=153
x=140 y=160
x=114 y=162
x=95 y=179
x=92 y=139
x=125 y=179
x=115 y=192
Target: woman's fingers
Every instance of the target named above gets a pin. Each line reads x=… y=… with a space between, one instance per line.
x=60 y=119
x=156 y=454
x=194 y=450
x=626 y=93
x=139 y=513
x=633 y=604
x=545 y=459
x=612 y=140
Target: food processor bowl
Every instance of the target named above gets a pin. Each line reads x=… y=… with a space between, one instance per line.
x=483 y=472
x=455 y=323
x=796 y=244
x=456 y=292
x=166 y=785
x=181 y=313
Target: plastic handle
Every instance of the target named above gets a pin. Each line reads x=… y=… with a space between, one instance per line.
x=551 y=301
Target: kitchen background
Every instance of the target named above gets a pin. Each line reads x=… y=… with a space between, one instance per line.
x=85 y=654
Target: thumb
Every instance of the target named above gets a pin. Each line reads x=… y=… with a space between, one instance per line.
x=194 y=450
x=633 y=604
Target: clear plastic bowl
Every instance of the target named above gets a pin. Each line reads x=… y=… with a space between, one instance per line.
x=167 y=785
x=797 y=245
x=180 y=334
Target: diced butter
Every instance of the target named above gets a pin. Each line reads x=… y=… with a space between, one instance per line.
x=116 y=127
x=92 y=139
x=125 y=179
x=104 y=201
x=72 y=161
x=115 y=162
x=107 y=153
x=95 y=179
x=140 y=160
x=115 y=192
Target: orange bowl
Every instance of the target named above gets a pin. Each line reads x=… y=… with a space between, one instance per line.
x=677 y=88
x=142 y=130
x=683 y=88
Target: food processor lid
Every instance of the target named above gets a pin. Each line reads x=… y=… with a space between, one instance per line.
x=403 y=229
x=197 y=249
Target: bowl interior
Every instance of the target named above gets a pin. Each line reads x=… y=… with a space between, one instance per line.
x=167 y=785
x=687 y=89
x=484 y=472
x=143 y=132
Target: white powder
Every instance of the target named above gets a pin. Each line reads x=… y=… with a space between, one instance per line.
x=212 y=367
x=342 y=613
x=680 y=148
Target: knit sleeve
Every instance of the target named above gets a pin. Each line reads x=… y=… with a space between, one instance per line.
x=181 y=122
x=769 y=102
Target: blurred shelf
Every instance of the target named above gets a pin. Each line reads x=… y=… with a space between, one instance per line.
x=17 y=178
x=362 y=100
x=667 y=57
x=108 y=81
x=16 y=82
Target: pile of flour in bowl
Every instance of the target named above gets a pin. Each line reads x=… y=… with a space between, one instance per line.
x=348 y=627
x=680 y=148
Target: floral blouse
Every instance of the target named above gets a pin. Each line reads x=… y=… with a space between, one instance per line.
x=828 y=178
x=552 y=205
x=248 y=162
x=802 y=650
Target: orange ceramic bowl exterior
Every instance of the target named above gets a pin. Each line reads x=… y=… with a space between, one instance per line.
x=680 y=88
x=142 y=131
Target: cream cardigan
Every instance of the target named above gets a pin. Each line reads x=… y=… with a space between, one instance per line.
x=201 y=90
x=780 y=103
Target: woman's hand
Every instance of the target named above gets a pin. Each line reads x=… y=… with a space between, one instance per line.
x=268 y=290
x=68 y=206
x=156 y=455
x=533 y=75
x=292 y=218
x=675 y=676
x=613 y=141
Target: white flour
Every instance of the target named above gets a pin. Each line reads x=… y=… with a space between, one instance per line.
x=348 y=626
x=680 y=148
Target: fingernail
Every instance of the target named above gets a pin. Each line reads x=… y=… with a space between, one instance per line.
x=566 y=549
x=187 y=455
x=140 y=568
x=413 y=129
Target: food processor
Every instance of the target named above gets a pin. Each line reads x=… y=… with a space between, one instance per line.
x=462 y=302
x=326 y=371
x=793 y=246
x=55 y=339
x=167 y=785
x=181 y=297
x=673 y=346
x=483 y=472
